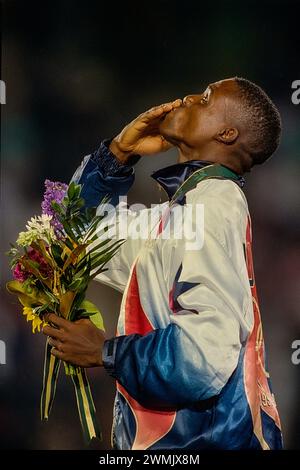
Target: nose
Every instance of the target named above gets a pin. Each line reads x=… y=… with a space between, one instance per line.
x=189 y=99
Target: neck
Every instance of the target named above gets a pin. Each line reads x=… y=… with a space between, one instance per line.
x=238 y=164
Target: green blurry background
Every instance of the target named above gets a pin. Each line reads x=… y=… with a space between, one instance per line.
x=77 y=72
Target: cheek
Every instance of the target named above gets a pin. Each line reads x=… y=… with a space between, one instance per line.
x=175 y=119
x=200 y=126
x=194 y=126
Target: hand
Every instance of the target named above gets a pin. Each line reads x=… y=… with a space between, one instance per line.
x=142 y=136
x=79 y=343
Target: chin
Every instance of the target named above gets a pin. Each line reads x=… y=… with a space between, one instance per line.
x=168 y=128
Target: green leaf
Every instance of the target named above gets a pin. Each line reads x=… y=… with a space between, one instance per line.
x=42 y=308
x=57 y=208
x=40 y=246
x=56 y=251
x=105 y=255
x=71 y=190
x=93 y=226
x=51 y=297
x=95 y=314
x=78 y=188
x=79 y=221
x=92 y=250
x=68 y=230
x=77 y=191
x=84 y=269
x=26 y=297
x=76 y=284
x=66 y=242
x=90 y=213
x=80 y=203
x=65 y=303
x=74 y=191
x=75 y=227
x=74 y=255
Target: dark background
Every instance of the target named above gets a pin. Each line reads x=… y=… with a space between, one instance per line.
x=77 y=72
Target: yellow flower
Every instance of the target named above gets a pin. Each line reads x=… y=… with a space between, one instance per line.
x=37 y=323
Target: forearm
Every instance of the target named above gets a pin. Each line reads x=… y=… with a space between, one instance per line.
x=125 y=158
x=103 y=174
x=162 y=369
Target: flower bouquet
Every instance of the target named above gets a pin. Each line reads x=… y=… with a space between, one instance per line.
x=53 y=262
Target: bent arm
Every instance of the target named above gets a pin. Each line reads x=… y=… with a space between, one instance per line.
x=102 y=174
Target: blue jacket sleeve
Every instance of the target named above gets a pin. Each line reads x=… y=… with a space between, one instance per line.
x=151 y=368
x=101 y=174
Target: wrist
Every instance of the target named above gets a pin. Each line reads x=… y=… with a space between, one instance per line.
x=99 y=362
x=101 y=342
x=120 y=154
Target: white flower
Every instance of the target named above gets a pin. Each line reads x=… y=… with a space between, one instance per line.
x=38 y=228
x=39 y=223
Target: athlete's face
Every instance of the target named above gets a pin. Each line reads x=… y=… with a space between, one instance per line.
x=201 y=117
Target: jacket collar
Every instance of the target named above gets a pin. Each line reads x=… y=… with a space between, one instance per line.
x=171 y=177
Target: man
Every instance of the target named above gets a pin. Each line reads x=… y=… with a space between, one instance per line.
x=189 y=353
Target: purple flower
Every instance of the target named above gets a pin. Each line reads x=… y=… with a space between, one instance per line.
x=55 y=191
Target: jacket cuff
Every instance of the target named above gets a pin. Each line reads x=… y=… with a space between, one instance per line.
x=109 y=355
x=108 y=162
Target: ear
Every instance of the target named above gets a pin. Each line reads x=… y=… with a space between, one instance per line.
x=227 y=136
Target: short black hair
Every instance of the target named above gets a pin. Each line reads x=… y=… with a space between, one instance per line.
x=263 y=120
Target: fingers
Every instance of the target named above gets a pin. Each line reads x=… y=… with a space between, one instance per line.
x=56 y=320
x=59 y=354
x=163 y=108
x=158 y=111
x=56 y=344
x=53 y=332
x=57 y=349
x=60 y=323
